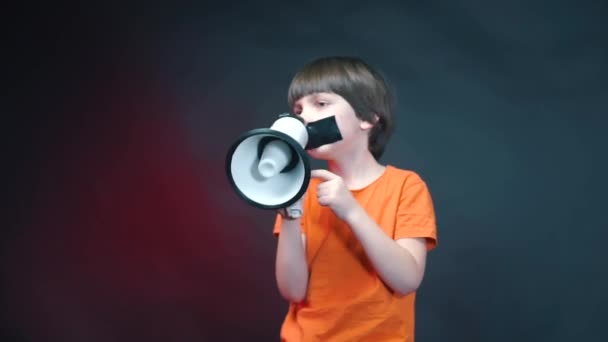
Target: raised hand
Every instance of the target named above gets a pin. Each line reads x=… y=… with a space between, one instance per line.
x=333 y=193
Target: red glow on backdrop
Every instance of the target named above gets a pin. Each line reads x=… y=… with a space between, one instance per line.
x=125 y=242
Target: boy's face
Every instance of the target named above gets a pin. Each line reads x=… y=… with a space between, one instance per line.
x=354 y=131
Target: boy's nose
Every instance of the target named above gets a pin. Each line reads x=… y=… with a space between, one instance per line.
x=306 y=117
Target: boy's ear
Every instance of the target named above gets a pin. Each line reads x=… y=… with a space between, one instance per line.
x=365 y=125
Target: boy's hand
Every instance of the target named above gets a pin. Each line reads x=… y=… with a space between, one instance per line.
x=334 y=193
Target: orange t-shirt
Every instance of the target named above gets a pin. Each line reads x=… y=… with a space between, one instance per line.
x=346 y=300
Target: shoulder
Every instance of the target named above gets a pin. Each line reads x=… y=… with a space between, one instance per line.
x=405 y=177
x=408 y=183
x=414 y=195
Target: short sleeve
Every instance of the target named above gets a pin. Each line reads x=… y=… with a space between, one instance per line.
x=277 y=225
x=416 y=214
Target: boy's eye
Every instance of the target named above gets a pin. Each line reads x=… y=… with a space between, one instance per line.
x=322 y=103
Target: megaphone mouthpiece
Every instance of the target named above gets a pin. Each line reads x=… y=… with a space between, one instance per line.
x=275 y=157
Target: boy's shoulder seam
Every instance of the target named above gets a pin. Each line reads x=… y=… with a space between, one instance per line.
x=407 y=174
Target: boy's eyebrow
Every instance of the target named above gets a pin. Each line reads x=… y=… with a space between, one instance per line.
x=303 y=98
x=310 y=97
x=314 y=96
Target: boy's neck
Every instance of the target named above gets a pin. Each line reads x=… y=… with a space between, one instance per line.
x=357 y=171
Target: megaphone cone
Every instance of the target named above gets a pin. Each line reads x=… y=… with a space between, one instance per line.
x=268 y=167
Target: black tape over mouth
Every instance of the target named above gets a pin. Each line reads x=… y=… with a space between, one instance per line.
x=322 y=132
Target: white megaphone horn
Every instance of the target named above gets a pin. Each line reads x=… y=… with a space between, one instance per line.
x=269 y=167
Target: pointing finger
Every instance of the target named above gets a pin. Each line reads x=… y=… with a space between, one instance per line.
x=323 y=174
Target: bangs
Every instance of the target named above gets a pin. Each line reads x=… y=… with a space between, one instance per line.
x=320 y=77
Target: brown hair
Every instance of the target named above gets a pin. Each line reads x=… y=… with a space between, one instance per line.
x=360 y=85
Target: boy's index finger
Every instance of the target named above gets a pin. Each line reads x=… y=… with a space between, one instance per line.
x=323 y=174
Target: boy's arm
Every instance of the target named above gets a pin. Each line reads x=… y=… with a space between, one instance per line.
x=291 y=270
x=400 y=263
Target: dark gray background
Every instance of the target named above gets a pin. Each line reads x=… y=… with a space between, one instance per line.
x=501 y=109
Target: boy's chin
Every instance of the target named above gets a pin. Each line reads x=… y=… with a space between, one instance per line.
x=321 y=153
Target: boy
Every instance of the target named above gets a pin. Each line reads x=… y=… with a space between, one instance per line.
x=351 y=263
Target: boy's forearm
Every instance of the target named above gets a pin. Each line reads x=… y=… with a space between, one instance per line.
x=291 y=269
x=394 y=264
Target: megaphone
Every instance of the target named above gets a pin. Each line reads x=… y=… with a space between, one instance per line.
x=269 y=167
